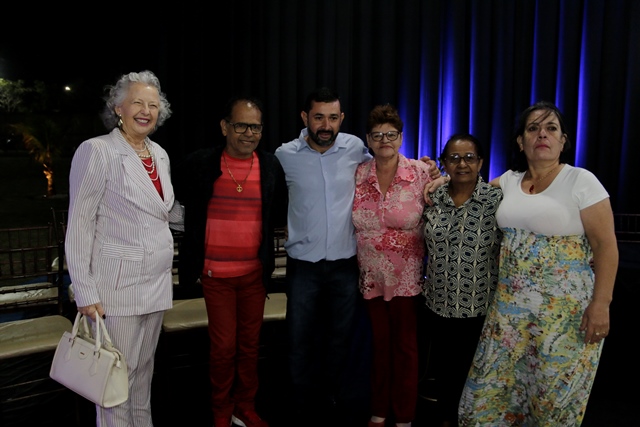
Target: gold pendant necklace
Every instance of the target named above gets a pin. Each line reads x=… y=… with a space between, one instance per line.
x=540 y=179
x=239 y=186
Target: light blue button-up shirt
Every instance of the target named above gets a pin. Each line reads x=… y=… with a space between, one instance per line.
x=321 y=189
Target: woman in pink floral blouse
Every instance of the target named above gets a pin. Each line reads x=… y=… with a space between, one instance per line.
x=387 y=215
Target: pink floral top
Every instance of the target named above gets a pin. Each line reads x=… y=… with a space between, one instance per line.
x=389 y=230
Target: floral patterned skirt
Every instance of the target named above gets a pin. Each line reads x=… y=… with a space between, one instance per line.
x=531 y=367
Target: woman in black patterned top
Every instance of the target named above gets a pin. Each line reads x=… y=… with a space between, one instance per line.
x=463 y=243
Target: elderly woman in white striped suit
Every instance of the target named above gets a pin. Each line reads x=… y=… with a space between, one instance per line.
x=119 y=246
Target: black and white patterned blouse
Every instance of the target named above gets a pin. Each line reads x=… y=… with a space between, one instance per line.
x=462 y=252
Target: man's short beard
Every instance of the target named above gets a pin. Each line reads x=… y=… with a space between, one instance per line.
x=320 y=143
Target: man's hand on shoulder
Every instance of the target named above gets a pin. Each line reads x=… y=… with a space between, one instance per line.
x=432 y=186
x=434 y=172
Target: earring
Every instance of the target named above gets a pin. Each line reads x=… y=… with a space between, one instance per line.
x=119 y=121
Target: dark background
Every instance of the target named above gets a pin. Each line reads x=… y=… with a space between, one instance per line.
x=448 y=65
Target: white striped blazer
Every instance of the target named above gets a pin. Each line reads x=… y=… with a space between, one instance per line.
x=118 y=244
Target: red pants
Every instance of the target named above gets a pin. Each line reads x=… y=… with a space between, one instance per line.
x=235 y=307
x=394 y=375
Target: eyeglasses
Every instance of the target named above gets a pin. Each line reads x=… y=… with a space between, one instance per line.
x=242 y=127
x=392 y=135
x=468 y=158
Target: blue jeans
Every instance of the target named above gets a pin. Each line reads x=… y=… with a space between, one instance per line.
x=321 y=306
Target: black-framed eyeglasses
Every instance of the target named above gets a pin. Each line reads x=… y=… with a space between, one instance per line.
x=242 y=127
x=455 y=159
x=392 y=135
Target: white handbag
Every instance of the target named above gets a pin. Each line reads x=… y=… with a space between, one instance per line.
x=90 y=365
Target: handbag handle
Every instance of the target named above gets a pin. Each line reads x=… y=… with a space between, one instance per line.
x=81 y=326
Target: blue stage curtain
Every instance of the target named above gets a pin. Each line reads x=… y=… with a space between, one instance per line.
x=448 y=65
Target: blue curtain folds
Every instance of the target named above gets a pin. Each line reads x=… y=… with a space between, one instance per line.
x=448 y=65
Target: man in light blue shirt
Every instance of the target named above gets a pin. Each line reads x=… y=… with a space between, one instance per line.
x=323 y=186
x=322 y=269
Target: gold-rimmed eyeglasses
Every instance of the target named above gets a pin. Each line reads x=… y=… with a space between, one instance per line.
x=242 y=127
x=392 y=135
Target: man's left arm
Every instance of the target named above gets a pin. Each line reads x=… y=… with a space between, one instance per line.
x=434 y=172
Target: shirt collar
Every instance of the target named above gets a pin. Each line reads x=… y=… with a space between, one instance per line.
x=404 y=173
x=303 y=144
x=441 y=195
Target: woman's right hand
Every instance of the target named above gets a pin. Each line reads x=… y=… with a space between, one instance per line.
x=90 y=310
x=432 y=186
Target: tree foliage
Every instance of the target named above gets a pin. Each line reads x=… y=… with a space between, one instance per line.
x=12 y=95
x=45 y=133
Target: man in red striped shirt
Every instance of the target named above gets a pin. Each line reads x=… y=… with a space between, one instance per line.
x=233 y=195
